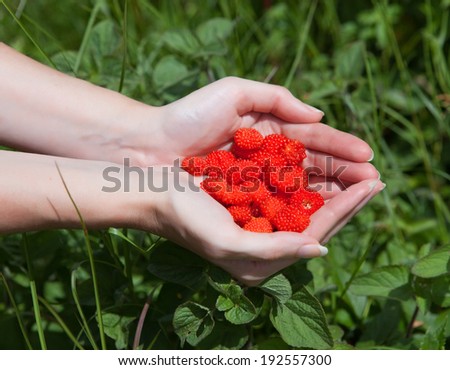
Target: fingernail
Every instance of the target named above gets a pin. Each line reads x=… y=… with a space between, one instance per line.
x=371 y=157
x=384 y=185
x=312 y=250
x=314 y=109
x=372 y=184
x=379 y=175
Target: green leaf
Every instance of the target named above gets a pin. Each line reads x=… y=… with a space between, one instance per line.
x=435 y=264
x=278 y=287
x=173 y=263
x=117 y=327
x=104 y=39
x=389 y=281
x=433 y=290
x=192 y=322
x=214 y=31
x=225 y=336
x=238 y=308
x=182 y=42
x=301 y=321
x=435 y=335
x=224 y=303
x=350 y=62
x=169 y=71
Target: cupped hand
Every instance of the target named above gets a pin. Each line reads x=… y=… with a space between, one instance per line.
x=206 y=120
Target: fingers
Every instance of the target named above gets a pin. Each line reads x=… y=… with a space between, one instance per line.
x=270 y=246
x=325 y=139
x=252 y=96
x=339 y=209
x=319 y=164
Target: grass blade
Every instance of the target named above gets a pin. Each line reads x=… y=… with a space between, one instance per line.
x=25 y=31
x=91 y=262
x=17 y=312
x=34 y=296
x=61 y=323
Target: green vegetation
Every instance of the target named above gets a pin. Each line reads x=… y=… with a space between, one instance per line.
x=378 y=69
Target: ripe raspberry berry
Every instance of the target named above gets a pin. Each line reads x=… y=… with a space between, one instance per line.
x=241 y=214
x=294 y=152
x=308 y=201
x=274 y=143
x=225 y=193
x=287 y=179
x=194 y=165
x=271 y=206
x=258 y=225
x=248 y=139
x=257 y=190
x=217 y=163
x=242 y=170
x=291 y=218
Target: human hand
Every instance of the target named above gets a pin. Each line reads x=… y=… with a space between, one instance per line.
x=206 y=120
x=193 y=219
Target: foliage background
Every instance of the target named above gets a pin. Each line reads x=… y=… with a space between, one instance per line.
x=378 y=69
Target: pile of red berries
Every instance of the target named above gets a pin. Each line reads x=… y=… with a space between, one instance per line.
x=260 y=181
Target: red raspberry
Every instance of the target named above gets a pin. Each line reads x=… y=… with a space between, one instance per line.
x=308 y=201
x=248 y=139
x=257 y=190
x=242 y=170
x=241 y=214
x=217 y=163
x=291 y=218
x=194 y=165
x=225 y=193
x=288 y=179
x=270 y=207
x=294 y=152
x=274 y=143
x=258 y=225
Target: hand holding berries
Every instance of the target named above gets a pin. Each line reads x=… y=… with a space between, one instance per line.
x=274 y=164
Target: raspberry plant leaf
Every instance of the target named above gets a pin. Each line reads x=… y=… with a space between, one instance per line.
x=389 y=281
x=434 y=264
x=173 y=263
x=301 y=321
x=278 y=287
x=117 y=328
x=239 y=308
x=192 y=322
x=225 y=336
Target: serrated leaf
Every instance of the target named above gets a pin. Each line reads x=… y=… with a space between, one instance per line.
x=242 y=312
x=435 y=264
x=301 y=321
x=224 y=303
x=225 y=336
x=389 y=281
x=435 y=335
x=279 y=287
x=175 y=264
x=117 y=327
x=192 y=322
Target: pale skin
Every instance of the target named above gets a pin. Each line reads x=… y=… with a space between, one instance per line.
x=85 y=128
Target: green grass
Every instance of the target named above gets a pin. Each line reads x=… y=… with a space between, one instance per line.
x=378 y=69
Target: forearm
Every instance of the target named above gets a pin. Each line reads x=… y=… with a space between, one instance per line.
x=33 y=196
x=45 y=111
